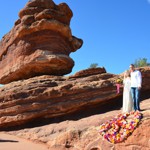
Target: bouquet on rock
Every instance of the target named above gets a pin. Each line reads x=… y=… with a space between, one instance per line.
x=119 y=83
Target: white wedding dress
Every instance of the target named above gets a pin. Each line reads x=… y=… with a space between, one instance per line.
x=127 y=99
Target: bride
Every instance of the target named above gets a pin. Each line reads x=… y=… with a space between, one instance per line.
x=127 y=99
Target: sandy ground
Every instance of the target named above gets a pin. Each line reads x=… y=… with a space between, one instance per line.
x=10 y=142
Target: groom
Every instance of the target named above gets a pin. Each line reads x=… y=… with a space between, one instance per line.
x=136 y=82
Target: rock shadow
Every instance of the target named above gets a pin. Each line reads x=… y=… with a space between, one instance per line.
x=12 y=141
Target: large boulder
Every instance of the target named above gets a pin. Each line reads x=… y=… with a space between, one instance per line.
x=39 y=43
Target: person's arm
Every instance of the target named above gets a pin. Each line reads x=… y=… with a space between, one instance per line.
x=139 y=78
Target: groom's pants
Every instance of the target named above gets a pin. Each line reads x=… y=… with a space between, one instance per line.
x=135 y=92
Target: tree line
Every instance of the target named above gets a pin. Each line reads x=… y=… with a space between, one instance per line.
x=140 y=62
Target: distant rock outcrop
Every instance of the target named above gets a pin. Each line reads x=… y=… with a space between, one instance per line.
x=39 y=43
x=88 y=72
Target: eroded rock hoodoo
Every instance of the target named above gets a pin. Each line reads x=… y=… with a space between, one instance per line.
x=39 y=43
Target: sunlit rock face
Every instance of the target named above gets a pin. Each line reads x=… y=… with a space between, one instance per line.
x=39 y=43
x=47 y=97
x=50 y=97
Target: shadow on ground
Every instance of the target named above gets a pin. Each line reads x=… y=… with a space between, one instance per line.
x=13 y=141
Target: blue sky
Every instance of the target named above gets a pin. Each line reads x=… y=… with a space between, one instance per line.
x=115 y=32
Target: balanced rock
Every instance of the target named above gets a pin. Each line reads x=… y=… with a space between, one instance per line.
x=39 y=43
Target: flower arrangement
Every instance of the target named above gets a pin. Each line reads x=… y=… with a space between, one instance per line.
x=119 y=128
x=119 y=82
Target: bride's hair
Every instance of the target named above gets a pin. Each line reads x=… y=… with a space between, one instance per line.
x=126 y=73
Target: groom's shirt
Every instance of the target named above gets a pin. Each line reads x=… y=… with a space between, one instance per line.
x=136 y=79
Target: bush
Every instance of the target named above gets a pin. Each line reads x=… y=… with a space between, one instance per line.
x=94 y=65
x=141 y=62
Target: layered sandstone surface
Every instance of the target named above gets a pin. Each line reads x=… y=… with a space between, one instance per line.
x=44 y=97
x=82 y=133
x=52 y=96
x=39 y=43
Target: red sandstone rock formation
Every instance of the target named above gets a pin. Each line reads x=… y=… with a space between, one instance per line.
x=50 y=96
x=88 y=72
x=39 y=43
x=146 y=78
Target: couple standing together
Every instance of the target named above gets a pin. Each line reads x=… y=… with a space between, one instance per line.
x=132 y=86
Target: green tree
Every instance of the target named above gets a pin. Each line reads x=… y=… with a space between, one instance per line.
x=141 y=62
x=94 y=65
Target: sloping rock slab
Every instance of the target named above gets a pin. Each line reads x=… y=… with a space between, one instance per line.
x=51 y=96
